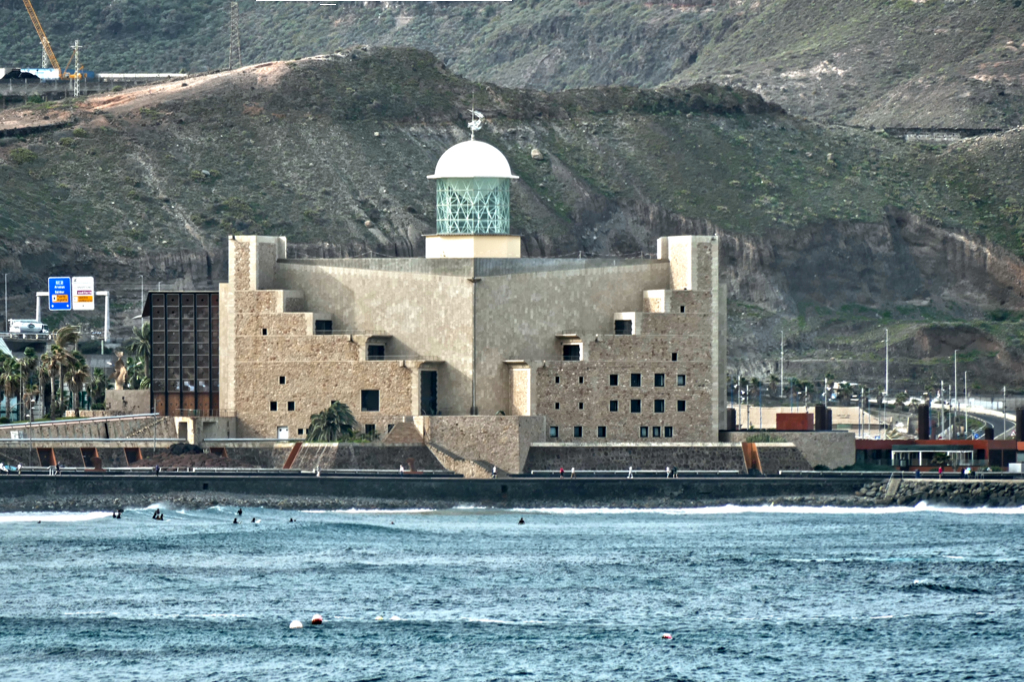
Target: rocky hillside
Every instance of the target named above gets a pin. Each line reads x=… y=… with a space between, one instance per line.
x=882 y=63
x=828 y=233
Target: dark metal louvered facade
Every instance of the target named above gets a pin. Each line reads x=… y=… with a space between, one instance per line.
x=185 y=345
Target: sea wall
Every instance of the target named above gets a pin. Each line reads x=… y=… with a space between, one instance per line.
x=298 y=491
x=833 y=449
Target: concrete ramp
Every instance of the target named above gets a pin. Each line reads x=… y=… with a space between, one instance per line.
x=468 y=468
x=892 y=489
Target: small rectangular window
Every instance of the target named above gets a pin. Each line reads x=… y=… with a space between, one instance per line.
x=682 y=308
x=577 y=432
x=656 y=432
x=323 y=327
x=581 y=406
x=613 y=406
x=600 y=432
x=371 y=401
x=558 y=405
x=675 y=356
x=264 y=331
x=291 y=406
x=680 y=380
x=370 y=429
x=634 y=379
x=643 y=432
x=634 y=406
x=553 y=431
x=668 y=432
x=300 y=432
x=659 y=380
x=613 y=379
x=280 y=380
x=659 y=405
x=680 y=406
x=623 y=327
x=581 y=380
x=375 y=352
x=571 y=353
x=273 y=406
x=558 y=379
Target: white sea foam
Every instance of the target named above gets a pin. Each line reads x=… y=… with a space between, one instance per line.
x=770 y=509
x=52 y=517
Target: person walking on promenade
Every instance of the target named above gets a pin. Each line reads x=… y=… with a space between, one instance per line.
x=940 y=472
x=572 y=473
x=494 y=471
x=561 y=472
x=668 y=472
x=401 y=470
x=630 y=472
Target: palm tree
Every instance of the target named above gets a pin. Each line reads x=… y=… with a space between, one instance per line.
x=10 y=380
x=333 y=424
x=67 y=336
x=78 y=375
x=97 y=388
x=28 y=366
x=140 y=345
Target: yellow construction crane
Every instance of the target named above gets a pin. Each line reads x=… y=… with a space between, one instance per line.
x=62 y=73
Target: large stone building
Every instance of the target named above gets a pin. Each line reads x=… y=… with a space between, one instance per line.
x=474 y=344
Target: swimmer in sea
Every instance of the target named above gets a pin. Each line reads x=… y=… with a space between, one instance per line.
x=239 y=512
x=522 y=521
x=156 y=514
x=235 y=521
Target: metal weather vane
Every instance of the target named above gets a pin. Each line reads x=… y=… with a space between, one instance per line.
x=476 y=124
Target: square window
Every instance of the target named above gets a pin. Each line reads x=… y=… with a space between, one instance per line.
x=613 y=406
x=577 y=432
x=581 y=406
x=300 y=432
x=682 y=308
x=280 y=380
x=659 y=405
x=370 y=429
x=553 y=432
x=375 y=352
x=371 y=401
x=291 y=406
x=680 y=406
x=643 y=432
x=264 y=331
x=668 y=432
x=680 y=380
x=581 y=380
x=656 y=432
x=600 y=432
x=634 y=379
x=659 y=380
x=675 y=356
x=558 y=379
x=634 y=405
x=273 y=406
x=323 y=326
x=571 y=353
x=613 y=379
x=623 y=327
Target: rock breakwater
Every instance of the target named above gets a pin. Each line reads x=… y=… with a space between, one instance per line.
x=950 y=491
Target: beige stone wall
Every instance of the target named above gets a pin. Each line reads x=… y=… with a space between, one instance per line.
x=833 y=449
x=520 y=403
x=502 y=441
x=127 y=401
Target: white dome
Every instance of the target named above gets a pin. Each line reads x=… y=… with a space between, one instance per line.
x=472 y=159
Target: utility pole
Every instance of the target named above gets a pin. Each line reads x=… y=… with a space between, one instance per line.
x=1003 y=434
x=886 y=362
x=956 y=400
x=6 y=322
x=966 y=404
x=782 y=365
x=142 y=292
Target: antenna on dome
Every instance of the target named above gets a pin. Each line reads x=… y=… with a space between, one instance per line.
x=476 y=124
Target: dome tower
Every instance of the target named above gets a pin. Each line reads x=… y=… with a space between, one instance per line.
x=473 y=181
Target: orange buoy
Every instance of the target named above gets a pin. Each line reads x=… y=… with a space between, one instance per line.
x=317 y=619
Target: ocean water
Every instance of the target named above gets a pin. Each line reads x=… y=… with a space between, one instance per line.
x=470 y=594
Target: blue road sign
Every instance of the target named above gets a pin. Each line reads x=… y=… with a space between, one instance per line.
x=60 y=293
